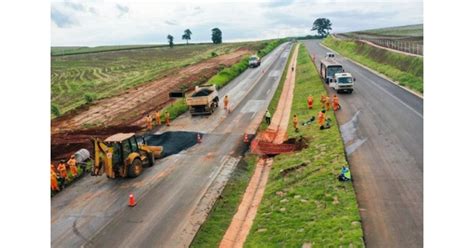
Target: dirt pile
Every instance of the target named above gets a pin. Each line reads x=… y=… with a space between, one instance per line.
x=125 y=112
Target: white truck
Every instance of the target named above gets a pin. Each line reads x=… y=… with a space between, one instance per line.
x=204 y=100
x=342 y=82
x=254 y=61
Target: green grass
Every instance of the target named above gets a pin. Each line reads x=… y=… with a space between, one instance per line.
x=220 y=217
x=316 y=208
x=228 y=74
x=408 y=31
x=109 y=73
x=407 y=70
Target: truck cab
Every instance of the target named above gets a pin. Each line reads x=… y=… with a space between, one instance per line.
x=342 y=82
x=254 y=61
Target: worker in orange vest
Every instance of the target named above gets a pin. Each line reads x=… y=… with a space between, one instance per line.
x=226 y=102
x=328 y=103
x=321 y=118
x=72 y=165
x=54 y=179
x=148 y=122
x=295 y=123
x=335 y=103
x=158 y=118
x=322 y=100
x=310 y=102
x=167 y=114
x=62 y=170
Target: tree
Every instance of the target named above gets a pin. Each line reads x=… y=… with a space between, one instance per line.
x=322 y=26
x=170 y=40
x=216 y=36
x=187 y=35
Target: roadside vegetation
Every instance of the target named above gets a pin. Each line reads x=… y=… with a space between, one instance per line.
x=228 y=74
x=213 y=229
x=79 y=79
x=408 y=30
x=406 y=70
x=211 y=232
x=308 y=204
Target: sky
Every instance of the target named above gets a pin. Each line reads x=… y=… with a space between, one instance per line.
x=96 y=22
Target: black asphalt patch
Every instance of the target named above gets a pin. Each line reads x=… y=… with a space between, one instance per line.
x=173 y=142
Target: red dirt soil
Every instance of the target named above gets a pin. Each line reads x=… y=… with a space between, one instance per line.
x=125 y=112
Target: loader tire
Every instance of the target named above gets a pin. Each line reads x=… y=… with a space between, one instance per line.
x=135 y=168
x=151 y=159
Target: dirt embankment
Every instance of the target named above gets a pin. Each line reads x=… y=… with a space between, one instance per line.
x=125 y=112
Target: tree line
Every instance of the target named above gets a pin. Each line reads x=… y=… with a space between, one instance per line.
x=216 y=36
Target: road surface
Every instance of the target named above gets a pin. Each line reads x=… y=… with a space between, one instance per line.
x=382 y=127
x=174 y=196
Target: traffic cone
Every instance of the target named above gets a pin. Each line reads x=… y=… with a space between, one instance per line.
x=246 y=138
x=198 y=138
x=131 y=201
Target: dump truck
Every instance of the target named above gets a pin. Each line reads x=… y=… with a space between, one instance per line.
x=254 y=61
x=123 y=155
x=342 y=82
x=204 y=100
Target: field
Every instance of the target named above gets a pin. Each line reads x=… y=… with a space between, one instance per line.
x=83 y=78
x=403 y=38
x=308 y=205
x=406 y=70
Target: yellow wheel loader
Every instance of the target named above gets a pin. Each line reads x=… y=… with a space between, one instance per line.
x=123 y=155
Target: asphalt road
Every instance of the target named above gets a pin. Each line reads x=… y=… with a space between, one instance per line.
x=174 y=196
x=382 y=127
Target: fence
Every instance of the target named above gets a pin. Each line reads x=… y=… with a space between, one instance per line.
x=413 y=45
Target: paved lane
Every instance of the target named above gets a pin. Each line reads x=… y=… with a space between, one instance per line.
x=174 y=195
x=382 y=127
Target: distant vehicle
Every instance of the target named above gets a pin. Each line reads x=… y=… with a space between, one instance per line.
x=330 y=55
x=328 y=68
x=343 y=82
x=204 y=100
x=254 y=61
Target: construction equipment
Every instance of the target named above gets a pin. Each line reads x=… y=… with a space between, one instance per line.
x=328 y=68
x=204 y=100
x=123 y=155
x=254 y=61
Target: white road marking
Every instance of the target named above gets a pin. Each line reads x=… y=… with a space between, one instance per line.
x=268 y=91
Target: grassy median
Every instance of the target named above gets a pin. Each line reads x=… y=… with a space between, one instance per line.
x=211 y=232
x=406 y=70
x=308 y=204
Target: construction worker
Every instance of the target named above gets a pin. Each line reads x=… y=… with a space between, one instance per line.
x=62 y=172
x=295 y=123
x=148 y=122
x=226 y=102
x=335 y=103
x=345 y=174
x=268 y=117
x=72 y=165
x=167 y=115
x=327 y=103
x=158 y=118
x=310 y=102
x=321 y=119
x=54 y=179
x=322 y=100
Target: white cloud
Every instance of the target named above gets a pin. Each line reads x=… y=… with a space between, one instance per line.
x=93 y=23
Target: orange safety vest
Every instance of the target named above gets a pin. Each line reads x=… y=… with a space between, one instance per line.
x=295 y=121
x=62 y=170
x=321 y=118
x=335 y=102
x=72 y=166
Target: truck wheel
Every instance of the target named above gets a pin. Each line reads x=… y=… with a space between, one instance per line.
x=135 y=168
x=350 y=91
